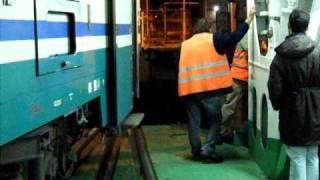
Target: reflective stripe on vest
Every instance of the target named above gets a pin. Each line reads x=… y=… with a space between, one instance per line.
x=239 y=67
x=201 y=68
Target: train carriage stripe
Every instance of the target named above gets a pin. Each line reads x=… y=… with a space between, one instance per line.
x=26 y=48
x=123 y=29
x=24 y=29
x=16 y=30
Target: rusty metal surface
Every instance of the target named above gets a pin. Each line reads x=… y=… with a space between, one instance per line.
x=168 y=25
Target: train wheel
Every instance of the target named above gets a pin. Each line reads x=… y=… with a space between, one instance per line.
x=67 y=162
x=42 y=168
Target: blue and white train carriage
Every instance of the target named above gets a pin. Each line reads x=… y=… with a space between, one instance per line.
x=66 y=66
x=268 y=30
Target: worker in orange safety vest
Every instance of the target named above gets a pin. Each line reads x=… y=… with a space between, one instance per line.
x=204 y=77
x=234 y=109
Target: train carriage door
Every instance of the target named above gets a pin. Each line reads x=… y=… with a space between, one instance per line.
x=123 y=64
x=56 y=26
x=136 y=33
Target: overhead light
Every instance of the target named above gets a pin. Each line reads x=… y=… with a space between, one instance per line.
x=216 y=8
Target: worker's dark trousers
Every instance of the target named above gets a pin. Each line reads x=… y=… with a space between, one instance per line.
x=211 y=109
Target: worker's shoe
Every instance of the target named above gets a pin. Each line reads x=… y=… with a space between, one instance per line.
x=227 y=137
x=212 y=157
x=196 y=154
x=219 y=140
x=197 y=157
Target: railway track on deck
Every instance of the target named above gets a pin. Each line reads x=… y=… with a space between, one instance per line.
x=99 y=155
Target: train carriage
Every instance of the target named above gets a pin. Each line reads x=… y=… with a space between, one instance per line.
x=66 y=67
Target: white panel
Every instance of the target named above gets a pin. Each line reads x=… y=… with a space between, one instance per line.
x=250 y=4
x=20 y=9
x=124 y=40
x=50 y=47
x=80 y=9
x=98 y=11
x=314 y=25
x=274 y=8
x=12 y=51
x=43 y=6
x=262 y=73
x=138 y=21
x=26 y=48
x=91 y=43
x=123 y=16
x=123 y=11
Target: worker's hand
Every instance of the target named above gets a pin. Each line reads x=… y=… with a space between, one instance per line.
x=251 y=15
x=252 y=12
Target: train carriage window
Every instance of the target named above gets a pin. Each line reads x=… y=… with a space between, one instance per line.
x=60 y=27
x=56 y=29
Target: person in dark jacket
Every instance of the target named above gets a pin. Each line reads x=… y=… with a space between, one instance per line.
x=294 y=90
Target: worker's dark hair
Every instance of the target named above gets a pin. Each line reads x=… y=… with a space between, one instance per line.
x=201 y=25
x=299 y=21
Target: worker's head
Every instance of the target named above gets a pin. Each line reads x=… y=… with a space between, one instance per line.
x=202 y=25
x=298 y=21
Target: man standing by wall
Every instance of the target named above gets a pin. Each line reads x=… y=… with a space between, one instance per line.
x=294 y=89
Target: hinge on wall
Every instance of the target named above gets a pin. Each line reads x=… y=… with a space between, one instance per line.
x=7 y=2
x=117 y=30
x=130 y=29
x=89 y=16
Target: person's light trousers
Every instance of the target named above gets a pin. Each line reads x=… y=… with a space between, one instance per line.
x=304 y=162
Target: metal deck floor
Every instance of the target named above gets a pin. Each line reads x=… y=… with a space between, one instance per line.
x=171 y=158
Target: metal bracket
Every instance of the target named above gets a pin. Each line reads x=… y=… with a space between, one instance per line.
x=117 y=30
x=270 y=32
x=267 y=33
x=89 y=16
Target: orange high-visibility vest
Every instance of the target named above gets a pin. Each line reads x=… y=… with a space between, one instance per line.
x=239 y=67
x=201 y=68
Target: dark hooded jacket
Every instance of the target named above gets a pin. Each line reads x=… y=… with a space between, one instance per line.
x=294 y=89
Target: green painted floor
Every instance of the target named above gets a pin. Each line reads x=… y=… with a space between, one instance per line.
x=170 y=154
